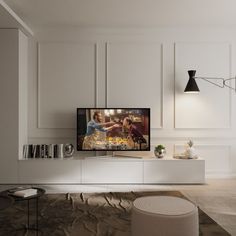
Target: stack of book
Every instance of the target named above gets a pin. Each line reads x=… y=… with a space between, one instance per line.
x=23 y=192
x=43 y=150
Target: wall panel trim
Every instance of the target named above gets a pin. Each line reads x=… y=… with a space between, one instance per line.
x=161 y=75
x=39 y=125
x=229 y=75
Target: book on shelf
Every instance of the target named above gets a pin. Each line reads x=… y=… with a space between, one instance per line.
x=24 y=192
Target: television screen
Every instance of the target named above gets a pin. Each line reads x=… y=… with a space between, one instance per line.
x=113 y=129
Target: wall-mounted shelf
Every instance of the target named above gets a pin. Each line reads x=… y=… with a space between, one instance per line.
x=113 y=170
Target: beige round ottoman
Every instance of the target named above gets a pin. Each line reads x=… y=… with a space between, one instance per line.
x=163 y=215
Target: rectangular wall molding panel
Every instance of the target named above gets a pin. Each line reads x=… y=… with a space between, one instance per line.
x=134 y=77
x=211 y=108
x=61 y=69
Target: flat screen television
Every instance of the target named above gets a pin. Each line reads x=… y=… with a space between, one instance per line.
x=113 y=129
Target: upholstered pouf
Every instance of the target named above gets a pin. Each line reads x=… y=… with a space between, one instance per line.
x=164 y=216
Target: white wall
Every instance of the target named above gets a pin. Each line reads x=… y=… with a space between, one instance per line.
x=13 y=101
x=96 y=67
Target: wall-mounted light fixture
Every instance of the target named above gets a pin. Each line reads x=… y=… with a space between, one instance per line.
x=192 y=87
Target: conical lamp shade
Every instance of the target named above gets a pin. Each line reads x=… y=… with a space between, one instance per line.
x=191 y=86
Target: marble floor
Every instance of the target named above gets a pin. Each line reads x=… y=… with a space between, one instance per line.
x=217 y=197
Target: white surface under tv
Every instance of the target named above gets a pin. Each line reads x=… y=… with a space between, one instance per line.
x=113 y=170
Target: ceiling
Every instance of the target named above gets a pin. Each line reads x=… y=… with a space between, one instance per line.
x=8 y=19
x=125 y=13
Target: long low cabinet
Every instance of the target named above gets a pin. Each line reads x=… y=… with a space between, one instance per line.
x=112 y=170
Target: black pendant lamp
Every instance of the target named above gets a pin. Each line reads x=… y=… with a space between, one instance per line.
x=191 y=86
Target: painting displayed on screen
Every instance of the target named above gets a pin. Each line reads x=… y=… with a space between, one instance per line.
x=113 y=129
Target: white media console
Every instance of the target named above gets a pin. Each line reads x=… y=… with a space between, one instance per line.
x=112 y=170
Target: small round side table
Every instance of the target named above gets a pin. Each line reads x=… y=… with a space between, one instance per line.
x=40 y=192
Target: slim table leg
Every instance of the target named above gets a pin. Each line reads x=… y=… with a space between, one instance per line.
x=28 y=214
x=37 y=209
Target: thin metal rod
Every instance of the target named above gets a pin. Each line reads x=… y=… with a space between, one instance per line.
x=37 y=209
x=209 y=78
x=28 y=214
x=223 y=81
x=226 y=85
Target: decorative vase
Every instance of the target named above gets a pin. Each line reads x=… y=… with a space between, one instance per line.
x=160 y=153
x=190 y=150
